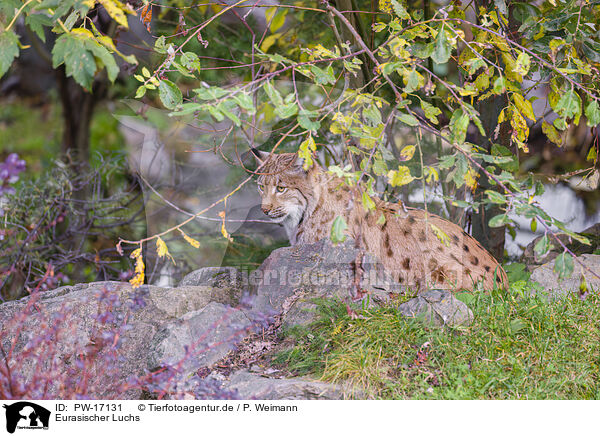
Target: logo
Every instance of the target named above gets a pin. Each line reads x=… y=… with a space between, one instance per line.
x=26 y=415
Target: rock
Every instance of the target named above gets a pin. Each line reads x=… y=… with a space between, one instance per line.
x=253 y=386
x=530 y=258
x=554 y=288
x=228 y=280
x=208 y=333
x=71 y=323
x=291 y=277
x=438 y=307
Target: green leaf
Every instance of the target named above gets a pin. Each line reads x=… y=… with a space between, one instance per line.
x=523 y=64
x=273 y=94
x=337 y=230
x=400 y=177
x=408 y=119
x=105 y=57
x=495 y=197
x=542 y=246
x=458 y=126
x=170 y=95
x=400 y=10
x=442 y=48
x=78 y=60
x=592 y=113
x=499 y=220
x=287 y=110
x=37 y=22
x=516 y=325
x=563 y=265
x=140 y=92
x=569 y=105
x=9 y=49
x=308 y=124
x=431 y=112
x=367 y=201
x=190 y=61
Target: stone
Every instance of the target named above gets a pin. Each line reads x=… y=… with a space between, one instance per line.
x=208 y=334
x=291 y=277
x=531 y=259
x=256 y=387
x=555 y=288
x=228 y=280
x=439 y=308
x=69 y=315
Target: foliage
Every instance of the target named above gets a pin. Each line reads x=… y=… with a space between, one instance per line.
x=520 y=346
x=94 y=370
x=83 y=50
x=420 y=87
x=48 y=227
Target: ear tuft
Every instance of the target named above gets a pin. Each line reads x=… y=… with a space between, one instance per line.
x=261 y=156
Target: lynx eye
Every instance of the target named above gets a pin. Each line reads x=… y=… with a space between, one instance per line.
x=260 y=188
x=281 y=189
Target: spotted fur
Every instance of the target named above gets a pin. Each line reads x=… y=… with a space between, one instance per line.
x=307 y=202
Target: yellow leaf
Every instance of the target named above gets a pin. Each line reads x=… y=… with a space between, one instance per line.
x=407 y=152
x=269 y=41
x=225 y=233
x=400 y=177
x=116 y=10
x=524 y=106
x=189 y=240
x=471 y=179
x=162 y=250
x=439 y=233
x=551 y=133
x=138 y=279
x=306 y=150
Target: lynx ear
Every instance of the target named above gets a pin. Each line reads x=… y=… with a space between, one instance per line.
x=261 y=156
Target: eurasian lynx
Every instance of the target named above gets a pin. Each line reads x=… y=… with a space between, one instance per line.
x=307 y=202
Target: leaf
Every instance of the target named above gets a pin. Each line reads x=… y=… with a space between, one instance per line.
x=400 y=10
x=569 y=105
x=79 y=62
x=439 y=233
x=524 y=106
x=269 y=41
x=407 y=152
x=458 y=126
x=498 y=220
x=408 y=119
x=431 y=111
x=551 y=133
x=36 y=23
x=563 y=265
x=400 y=177
x=189 y=240
x=278 y=21
x=190 y=61
x=516 y=325
x=170 y=95
x=501 y=5
x=495 y=197
x=367 y=201
x=441 y=48
x=116 y=10
x=9 y=50
x=306 y=150
x=523 y=64
x=338 y=228
x=592 y=113
x=306 y=123
x=162 y=250
x=542 y=246
x=273 y=94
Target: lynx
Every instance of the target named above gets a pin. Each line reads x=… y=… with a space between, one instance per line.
x=306 y=203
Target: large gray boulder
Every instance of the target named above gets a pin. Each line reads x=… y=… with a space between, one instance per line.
x=555 y=288
x=291 y=277
x=112 y=324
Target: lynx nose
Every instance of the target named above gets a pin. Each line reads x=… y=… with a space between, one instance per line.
x=266 y=209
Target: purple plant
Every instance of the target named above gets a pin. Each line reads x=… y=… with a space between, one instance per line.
x=60 y=367
x=9 y=173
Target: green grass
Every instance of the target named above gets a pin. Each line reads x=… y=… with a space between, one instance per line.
x=518 y=347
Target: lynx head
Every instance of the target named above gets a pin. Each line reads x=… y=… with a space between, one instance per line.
x=285 y=187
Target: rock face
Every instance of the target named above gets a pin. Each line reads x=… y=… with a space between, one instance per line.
x=157 y=338
x=546 y=277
